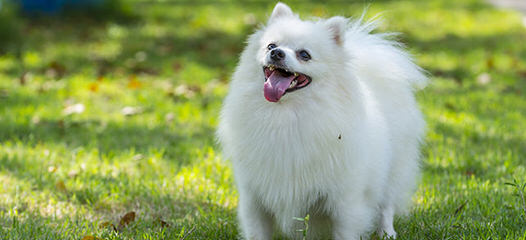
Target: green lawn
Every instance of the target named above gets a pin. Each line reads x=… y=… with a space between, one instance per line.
x=101 y=118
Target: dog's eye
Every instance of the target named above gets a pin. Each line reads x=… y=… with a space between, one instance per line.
x=271 y=46
x=304 y=55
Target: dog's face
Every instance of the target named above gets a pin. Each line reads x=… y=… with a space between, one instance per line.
x=293 y=53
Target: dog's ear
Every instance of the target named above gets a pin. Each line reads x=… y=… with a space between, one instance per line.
x=336 y=26
x=280 y=10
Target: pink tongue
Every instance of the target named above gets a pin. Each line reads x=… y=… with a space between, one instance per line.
x=276 y=85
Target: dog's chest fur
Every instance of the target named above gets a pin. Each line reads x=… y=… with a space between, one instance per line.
x=288 y=157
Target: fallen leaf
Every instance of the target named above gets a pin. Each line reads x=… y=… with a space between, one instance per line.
x=108 y=225
x=105 y=224
x=61 y=186
x=133 y=83
x=490 y=63
x=177 y=66
x=162 y=223
x=56 y=70
x=94 y=87
x=450 y=106
x=89 y=238
x=126 y=219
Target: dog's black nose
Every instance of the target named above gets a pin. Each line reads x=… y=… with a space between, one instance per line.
x=277 y=54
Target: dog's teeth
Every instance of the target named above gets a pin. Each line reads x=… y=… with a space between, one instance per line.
x=271 y=68
x=293 y=83
x=296 y=74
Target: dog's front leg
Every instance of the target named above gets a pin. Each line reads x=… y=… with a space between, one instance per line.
x=256 y=223
x=351 y=218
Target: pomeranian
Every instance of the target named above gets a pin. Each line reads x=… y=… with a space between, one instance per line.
x=321 y=120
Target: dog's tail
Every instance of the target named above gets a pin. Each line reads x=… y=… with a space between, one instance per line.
x=381 y=56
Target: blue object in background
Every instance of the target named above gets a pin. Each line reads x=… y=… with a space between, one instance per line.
x=52 y=7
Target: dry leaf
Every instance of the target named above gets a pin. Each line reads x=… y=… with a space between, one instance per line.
x=108 y=225
x=56 y=70
x=162 y=223
x=177 y=66
x=61 y=186
x=133 y=83
x=126 y=219
x=105 y=224
x=450 y=106
x=94 y=87
x=490 y=63
x=89 y=238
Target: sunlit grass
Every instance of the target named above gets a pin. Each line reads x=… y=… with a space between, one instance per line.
x=98 y=119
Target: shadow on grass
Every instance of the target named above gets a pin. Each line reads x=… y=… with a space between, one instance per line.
x=485 y=45
x=164 y=218
x=474 y=150
x=151 y=202
x=112 y=138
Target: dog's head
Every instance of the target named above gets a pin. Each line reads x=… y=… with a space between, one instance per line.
x=293 y=53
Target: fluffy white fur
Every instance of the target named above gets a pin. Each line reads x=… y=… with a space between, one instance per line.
x=344 y=149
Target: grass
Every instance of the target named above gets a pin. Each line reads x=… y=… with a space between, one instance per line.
x=99 y=118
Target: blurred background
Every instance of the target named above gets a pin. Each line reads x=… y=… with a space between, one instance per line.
x=108 y=110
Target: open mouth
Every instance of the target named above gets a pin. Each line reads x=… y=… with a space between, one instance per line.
x=279 y=81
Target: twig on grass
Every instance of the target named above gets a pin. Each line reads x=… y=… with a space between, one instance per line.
x=188 y=233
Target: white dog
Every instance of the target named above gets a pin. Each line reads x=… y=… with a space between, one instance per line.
x=321 y=119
